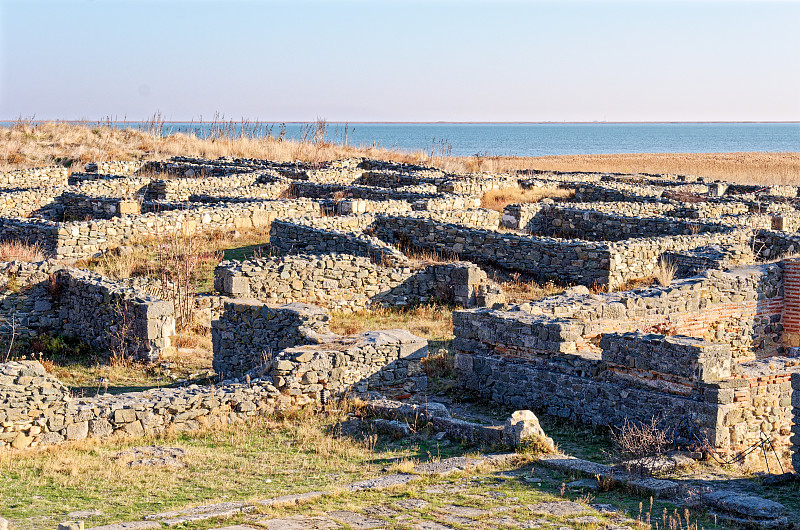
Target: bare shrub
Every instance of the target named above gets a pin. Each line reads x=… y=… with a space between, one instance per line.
x=178 y=257
x=120 y=334
x=639 y=445
x=664 y=272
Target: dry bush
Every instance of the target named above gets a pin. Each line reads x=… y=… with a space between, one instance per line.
x=17 y=251
x=439 y=364
x=500 y=198
x=640 y=445
x=664 y=272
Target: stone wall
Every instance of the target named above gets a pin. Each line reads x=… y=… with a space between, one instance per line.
x=47 y=177
x=29 y=398
x=79 y=207
x=557 y=221
x=795 y=429
x=346 y=282
x=708 y=348
x=569 y=261
x=386 y=361
x=82 y=239
x=115 y=167
x=33 y=202
x=38 y=410
x=110 y=315
x=249 y=333
x=291 y=237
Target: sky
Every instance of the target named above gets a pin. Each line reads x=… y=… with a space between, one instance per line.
x=381 y=60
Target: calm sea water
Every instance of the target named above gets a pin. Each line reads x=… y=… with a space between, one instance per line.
x=527 y=139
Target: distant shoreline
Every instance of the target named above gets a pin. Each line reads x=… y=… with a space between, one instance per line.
x=422 y=122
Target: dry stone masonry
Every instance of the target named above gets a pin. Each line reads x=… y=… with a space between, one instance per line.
x=717 y=345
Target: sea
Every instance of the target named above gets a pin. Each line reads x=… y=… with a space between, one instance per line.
x=512 y=139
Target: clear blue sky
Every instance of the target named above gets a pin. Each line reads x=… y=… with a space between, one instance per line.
x=401 y=61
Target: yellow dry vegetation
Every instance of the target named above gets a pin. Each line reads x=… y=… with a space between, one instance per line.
x=27 y=144
x=500 y=198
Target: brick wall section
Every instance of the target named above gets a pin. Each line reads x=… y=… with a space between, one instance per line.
x=791 y=306
x=795 y=436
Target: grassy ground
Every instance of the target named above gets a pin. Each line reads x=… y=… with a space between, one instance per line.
x=305 y=452
x=233 y=463
x=30 y=145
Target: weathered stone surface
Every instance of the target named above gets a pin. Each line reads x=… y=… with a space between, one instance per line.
x=521 y=427
x=745 y=505
x=558 y=508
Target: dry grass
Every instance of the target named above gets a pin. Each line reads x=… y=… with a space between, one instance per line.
x=433 y=322
x=17 y=251
x=500 y=198
x=519 y=290
x=31 y=145
x=665 y=272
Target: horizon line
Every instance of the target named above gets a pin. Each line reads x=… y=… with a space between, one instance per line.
x=442 y=122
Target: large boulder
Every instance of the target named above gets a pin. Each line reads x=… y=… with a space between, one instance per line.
x=523 y=427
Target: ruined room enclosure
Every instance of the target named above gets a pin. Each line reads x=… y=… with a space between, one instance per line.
x=715 y=345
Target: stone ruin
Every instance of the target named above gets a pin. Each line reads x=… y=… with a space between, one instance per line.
x=718 y=346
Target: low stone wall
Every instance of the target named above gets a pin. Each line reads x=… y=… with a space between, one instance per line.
x=291 y=237
x=249 y=333
x=81 y=239
x=742 y=308
x=687 y=359
x=635 y=377
x=47 y=177
x=614 y=192
x=600 y=358
x=387 y=361
x=38 y=202
x=556 y=221
x=79 y=207
x=48 y=297
x=183 y=189
x=568 y=261
x=39 y=411
x=109 y=315
x=118 y=186
x=421 y=201
x=29 y=399
x=346 y=282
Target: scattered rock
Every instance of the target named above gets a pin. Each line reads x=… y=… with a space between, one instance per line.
x=522 y=427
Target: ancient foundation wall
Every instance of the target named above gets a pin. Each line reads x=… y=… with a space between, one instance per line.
x=38 y=202
x=574 y=261
x=47 y=297
x=556 y=221
x=82 y=239
x=386 y=361
x=346 y=282
x=249 y=333
x=47 y=177
x=291 y=237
